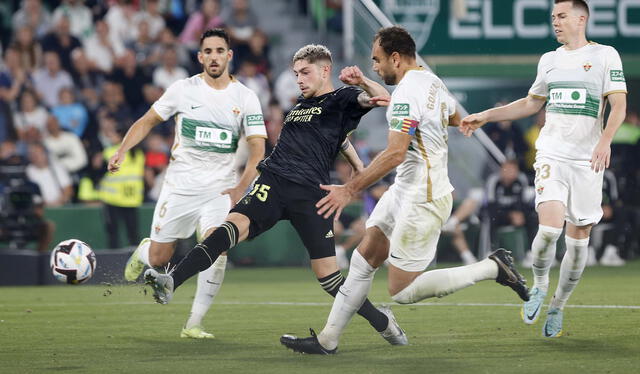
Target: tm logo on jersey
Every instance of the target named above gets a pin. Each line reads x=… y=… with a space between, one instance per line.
x=212 y=135
x=400 y=110
x=616 y=76
x=255 y=120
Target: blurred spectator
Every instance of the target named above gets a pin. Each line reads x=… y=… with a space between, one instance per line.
x=274 y=121
x=29 y=115
x=143 y=47
x=62 y=42
x=121 y=20
x=80 y=17
x=605 y=236
x=49 y=80
x=52 y=179
x=287 y=90
x=28 y=48
x=508 y=200
x=114 y=105
x=71 y=115
x=530 y=137
x=132 y=78
x=169 y=71
x=169 y=41
x=102 y=48
x=241 y=22
x=122 y=192
x=152 y=17
x=508 y=137
x=249 y=76
x=459 y=221
x=12 y=77
x=65 y=146
x=208 y=17
x=256 y=50
x=32 y=15
x=156 y=162
x=84 y=77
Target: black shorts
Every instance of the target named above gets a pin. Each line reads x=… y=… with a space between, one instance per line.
x=273 y=198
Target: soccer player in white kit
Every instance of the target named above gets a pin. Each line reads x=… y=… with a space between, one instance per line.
x=213 y=110
x=576 y=80
x=405 y=224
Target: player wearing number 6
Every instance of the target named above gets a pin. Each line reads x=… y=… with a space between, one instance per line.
x=572 y=151
x=289 y=185
x=212 y=111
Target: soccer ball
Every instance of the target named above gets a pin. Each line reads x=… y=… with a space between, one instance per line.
x=73 y=261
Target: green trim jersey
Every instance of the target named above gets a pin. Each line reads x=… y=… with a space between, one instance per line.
x=575 y=85
x=209 y=124
x=421 y=106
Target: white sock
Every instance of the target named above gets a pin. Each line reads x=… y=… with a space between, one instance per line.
x=348 y=300
x=143 y=252
x=573 y=263
x=443 y=282
x=209 y=283
x=543 y=249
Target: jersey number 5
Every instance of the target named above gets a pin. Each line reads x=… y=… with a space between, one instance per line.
x=261 y=191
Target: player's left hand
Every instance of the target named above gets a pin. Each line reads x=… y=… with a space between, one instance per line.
x=352 y=75
x=339 y=196
x=235 y=194
x=601 y=156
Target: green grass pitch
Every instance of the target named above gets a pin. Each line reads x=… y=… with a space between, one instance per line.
x=86 y=329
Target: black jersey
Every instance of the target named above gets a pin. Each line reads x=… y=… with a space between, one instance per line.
x=312 y=134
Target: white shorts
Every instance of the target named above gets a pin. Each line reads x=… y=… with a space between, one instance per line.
x=577 y=186
x=177 y=216
x=413 y=229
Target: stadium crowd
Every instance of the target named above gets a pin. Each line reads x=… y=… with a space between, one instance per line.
x=76 y=74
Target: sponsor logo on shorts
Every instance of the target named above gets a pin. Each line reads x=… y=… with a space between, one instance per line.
x=329 y=234
x=616 y=76
x=540 y=190
x=157 y=228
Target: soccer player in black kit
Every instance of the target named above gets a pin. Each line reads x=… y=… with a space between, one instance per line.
x=288 y=187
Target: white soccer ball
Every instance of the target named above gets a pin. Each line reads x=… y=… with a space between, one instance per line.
x=73 y=261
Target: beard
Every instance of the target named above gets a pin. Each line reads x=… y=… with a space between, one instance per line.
x=389 y=79
x=217 y=74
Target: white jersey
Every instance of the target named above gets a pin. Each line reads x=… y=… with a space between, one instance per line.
x=209 y=123
x=421 y=106
x=575 y=84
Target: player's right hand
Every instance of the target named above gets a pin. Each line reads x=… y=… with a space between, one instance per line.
x=352 y=75
x=115 y=161
x=471 y=123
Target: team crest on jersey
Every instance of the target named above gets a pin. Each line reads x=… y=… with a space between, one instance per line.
x=587 y=66
x=236 y=111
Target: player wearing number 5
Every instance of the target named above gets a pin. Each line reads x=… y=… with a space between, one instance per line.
x=572 y=151
x=212 y=111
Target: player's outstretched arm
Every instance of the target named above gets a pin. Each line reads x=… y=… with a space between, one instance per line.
x=349 y=152
x=340 y=196
x=352 y=75
x=522 y=108
x=135 y=134
x=602 y=152
x=256 y=154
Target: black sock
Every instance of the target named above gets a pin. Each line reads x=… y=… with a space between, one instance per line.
x=377 y=319
x=203 y=255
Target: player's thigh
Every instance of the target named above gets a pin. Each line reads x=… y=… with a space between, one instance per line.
x=315 y=231
x=415 y=237
x=584 y=207
x=384 y=214
x=175 y=216
x=213 y=213
x=262 y=205
x=552 y=191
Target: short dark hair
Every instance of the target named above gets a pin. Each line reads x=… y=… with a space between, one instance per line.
x=220 y=33
x=396 y=39
x=580 y=4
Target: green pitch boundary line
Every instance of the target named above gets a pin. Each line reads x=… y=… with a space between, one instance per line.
x=291 y=303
